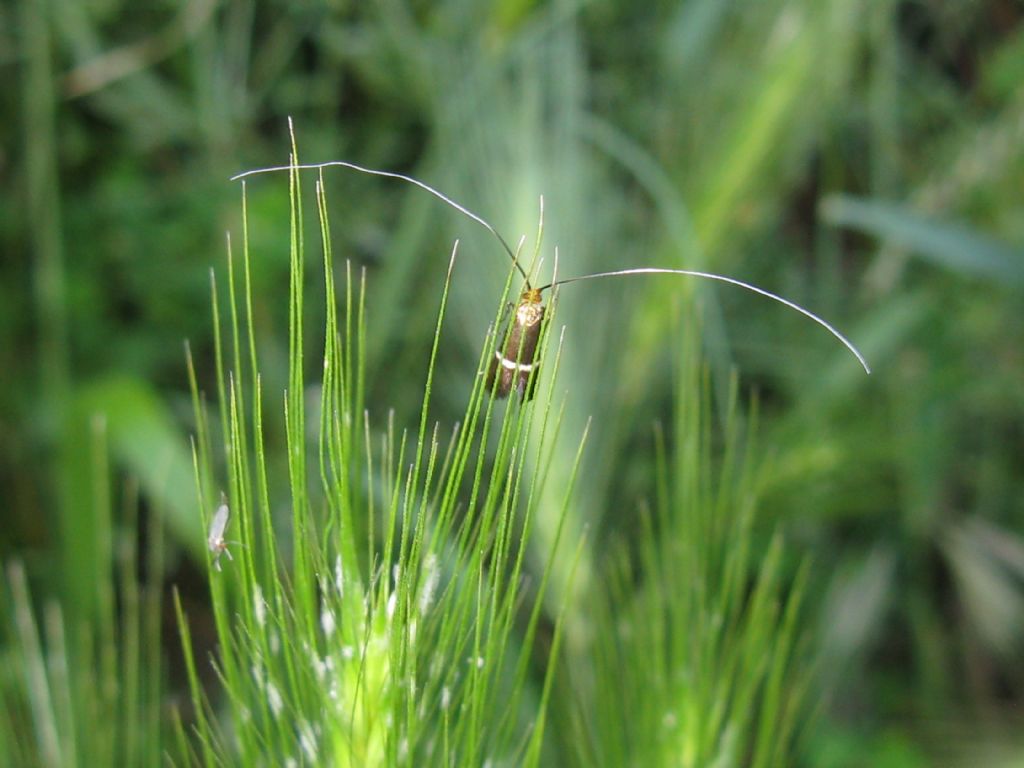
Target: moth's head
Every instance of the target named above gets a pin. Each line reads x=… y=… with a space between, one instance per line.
x=530 y=309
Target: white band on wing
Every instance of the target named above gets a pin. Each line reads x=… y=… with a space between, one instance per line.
x=512 y=365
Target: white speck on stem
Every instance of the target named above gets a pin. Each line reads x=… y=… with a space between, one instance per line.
x=274 y=699
x=429 y=583
x=307 y=740
x=327 y=622
x=259 y=608
x=320 y=667
x=339 y=576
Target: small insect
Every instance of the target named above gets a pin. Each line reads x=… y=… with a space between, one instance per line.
x=215 y=538
x=514 y=365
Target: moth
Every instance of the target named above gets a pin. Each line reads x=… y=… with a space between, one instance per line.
x=215 y=537
x=514 y=365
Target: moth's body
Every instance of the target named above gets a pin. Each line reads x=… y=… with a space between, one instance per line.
x=514 y=364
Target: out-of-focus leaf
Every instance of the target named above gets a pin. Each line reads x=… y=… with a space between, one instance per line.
x=145 y=440
x=955 y=247
x=992 y=596
x=1003 y=545
x=142 y=439
x=856 y=606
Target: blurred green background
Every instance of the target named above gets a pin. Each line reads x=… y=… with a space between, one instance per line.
x=864 y=158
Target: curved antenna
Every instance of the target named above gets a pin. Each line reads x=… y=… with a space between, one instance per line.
x=732 y=281
x=411 y=180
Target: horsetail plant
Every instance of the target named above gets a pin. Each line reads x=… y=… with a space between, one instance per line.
x=399 y=629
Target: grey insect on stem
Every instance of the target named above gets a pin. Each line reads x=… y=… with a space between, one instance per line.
x=215 y=537
x=514 y=366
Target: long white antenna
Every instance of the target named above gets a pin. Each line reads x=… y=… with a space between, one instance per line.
x=388 y=174
x=732 y=281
